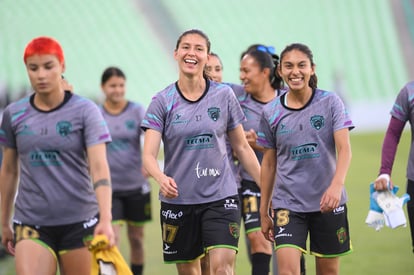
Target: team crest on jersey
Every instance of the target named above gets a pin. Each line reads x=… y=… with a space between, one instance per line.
x=130 y=124
x=214 y=113
x=63 y=128
x=317 y=122
x=234 y=230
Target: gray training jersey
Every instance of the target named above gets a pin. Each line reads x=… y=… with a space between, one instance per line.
x=305 y=148
x=124 y=152
x=253 y=111
x=54 y=187
x=194 y=137
x=403 y=110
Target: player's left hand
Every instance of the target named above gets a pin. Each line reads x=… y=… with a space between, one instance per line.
x=383 y=182
x=105 y=228
x=331 y=198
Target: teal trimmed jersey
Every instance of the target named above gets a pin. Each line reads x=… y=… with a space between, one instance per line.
x=124 y=152
x=252 y=110
x=194 y=137
x=54 y=185
x=304 y=143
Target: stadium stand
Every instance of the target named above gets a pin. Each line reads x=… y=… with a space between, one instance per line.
x=355 y=43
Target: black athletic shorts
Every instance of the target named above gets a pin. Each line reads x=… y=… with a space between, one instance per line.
x=328 y=232
x=188 y=231
x=250 y=197
x=59 y=239
x=133 y=207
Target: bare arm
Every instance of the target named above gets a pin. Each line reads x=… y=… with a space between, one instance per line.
x=332 y=196
x=245 y=153
x=152 y=142
x=267 y=182
x=100 y=174
x=8 y=186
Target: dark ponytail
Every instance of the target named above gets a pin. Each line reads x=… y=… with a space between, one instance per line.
x=266 y=57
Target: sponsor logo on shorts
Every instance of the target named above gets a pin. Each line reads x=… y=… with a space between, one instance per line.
x=166 y=250
x=234 y=230
x=339 y=210
x=169 y=214
x=342 y=235
x=90 y=223
x=249 y=219
x=230 y=204
x=249 y=192
x=281 y=233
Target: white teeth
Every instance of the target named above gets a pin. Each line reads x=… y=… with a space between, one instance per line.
x=190 y=61
x=295 y=79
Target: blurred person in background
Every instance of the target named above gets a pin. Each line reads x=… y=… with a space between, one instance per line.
x=214 y=68
x=198 y=192
x=306 y=135
x=401 y=113
x=54 y=154
x=260 y=85
x=131 y=197
x=214 y=71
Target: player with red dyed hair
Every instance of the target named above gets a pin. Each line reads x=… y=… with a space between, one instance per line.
x=54 y=146
x=44 y=45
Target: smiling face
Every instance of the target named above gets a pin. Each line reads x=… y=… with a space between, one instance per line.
x=114 y=89
x=252 y=75
x=192 y=54
x=296 y=70
x=214 y=69
x=45 y=73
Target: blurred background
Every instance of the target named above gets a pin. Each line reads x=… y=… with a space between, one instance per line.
x=362 y=49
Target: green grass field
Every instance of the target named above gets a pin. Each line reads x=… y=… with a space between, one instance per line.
x=385 y=252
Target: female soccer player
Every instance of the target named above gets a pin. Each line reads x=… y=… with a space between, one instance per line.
x=198 y=191
x=54 y=153
x=131 y=198
x=260 y=85
x=401 y=112
x=306 y=133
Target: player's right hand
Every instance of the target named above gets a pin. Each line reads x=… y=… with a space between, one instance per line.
x=168 y=187
x=7 y=239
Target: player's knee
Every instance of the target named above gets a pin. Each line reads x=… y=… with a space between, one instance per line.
x=136 y=243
